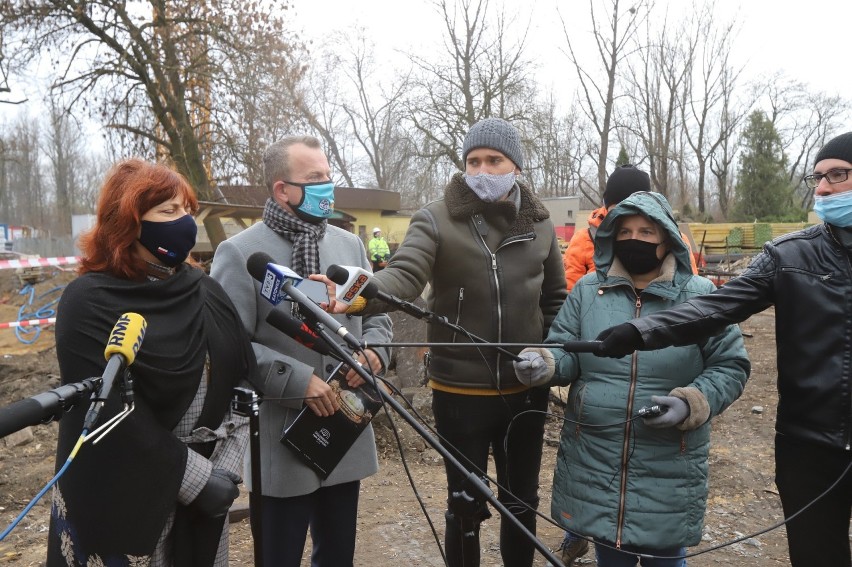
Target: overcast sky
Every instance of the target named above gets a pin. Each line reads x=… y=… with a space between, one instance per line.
x=796 y=37
x=807 y=39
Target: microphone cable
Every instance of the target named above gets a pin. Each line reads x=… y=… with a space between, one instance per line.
x=393 y=389
x=645 y=412
x=47 y=487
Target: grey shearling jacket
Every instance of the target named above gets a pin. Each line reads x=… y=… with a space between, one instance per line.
x=285 y=366
x=494 y=270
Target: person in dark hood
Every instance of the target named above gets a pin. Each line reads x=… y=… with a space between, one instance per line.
x=638 y=487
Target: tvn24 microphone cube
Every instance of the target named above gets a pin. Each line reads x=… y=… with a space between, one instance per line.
x=273 y=281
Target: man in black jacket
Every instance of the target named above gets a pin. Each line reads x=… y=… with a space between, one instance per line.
x=807 y=276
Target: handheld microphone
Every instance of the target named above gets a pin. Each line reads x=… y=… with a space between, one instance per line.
x=272 y=277
x=341 y=275
x=123 y=345
x=258 y=265
x=350 y=280
x=298 y=331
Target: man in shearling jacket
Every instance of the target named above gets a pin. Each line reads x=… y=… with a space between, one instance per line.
x=490 y=253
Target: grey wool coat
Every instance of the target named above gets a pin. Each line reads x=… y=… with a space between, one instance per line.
x=285 y=366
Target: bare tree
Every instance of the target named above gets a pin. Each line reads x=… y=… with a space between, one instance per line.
x=62 y=150
x=168 y=60
x=709 y=85
x=804 y=120
x=614 y=43
x=376 y=116
x=656 y=82
x=481 y=74
x=553 y=149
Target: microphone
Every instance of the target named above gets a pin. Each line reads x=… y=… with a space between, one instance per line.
x=124 y=342
x=579 y=346
x=341 y=275
x=261 y=268
x=298 y=331
x=350 y=280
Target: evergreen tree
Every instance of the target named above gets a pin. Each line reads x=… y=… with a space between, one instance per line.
x=622 y=158
x=763 y=189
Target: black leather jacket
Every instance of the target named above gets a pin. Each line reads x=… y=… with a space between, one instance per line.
x=807 y=275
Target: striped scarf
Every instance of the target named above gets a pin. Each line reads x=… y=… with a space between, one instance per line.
x=305 y=237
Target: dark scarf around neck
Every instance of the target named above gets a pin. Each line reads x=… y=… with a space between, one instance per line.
x=305 y=237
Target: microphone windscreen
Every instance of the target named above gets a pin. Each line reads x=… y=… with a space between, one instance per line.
x=370 y=291
x=256 y=265
x=285 y=323
x=337 y=274
x=126 y=337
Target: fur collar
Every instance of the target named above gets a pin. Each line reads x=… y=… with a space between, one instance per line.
x=463 y=203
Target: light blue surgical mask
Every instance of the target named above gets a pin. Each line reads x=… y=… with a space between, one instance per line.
x=490 y=187
x=317 y=201
x=835 y=209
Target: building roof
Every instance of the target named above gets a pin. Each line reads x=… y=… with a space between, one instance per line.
x=344 y=197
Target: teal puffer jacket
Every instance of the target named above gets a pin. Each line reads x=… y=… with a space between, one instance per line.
x=622 y=482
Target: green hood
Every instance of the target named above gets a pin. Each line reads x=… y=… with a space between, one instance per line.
x=655 y=207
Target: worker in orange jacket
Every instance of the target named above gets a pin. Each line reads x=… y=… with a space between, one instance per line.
x=623 y=182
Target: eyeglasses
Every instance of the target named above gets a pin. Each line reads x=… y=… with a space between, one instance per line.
x=832 y=176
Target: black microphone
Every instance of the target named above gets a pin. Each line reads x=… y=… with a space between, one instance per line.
x=299 y=332
x=580 y=346
x=258 y=265
x=124 y=342
x=44 y=407
x=370 y=290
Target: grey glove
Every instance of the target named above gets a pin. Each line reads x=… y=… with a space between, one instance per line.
x=675 y=412
x=218 y=494
x=536 y=367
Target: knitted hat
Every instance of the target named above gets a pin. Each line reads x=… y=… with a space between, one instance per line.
x=623 y=182
x=497 y=134
x=839 y=147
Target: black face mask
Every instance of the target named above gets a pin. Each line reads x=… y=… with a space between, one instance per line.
x=637 y=256
x=169 y=241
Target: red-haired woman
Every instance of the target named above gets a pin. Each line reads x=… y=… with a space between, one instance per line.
x=156 y=489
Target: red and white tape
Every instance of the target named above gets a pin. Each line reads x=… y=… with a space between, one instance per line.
x=36 y=262
x=28 y=323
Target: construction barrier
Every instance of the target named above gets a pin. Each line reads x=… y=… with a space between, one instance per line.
x=28 y=323
x=38 y=262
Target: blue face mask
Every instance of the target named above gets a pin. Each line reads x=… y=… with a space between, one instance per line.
x=490 y=187
x=317 y=201
x=835 y=209
x=171 y=241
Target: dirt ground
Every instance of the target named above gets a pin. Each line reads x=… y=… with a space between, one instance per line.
x=392 y=528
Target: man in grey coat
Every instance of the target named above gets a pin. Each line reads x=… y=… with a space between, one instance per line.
x=295 y=233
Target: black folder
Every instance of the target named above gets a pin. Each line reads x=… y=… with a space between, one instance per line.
x=322 y=441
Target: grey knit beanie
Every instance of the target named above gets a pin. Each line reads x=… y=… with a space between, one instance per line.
x=497 y=134
x=839 y=147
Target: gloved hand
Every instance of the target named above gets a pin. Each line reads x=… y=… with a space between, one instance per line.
x=536 y=368
x=218 y=494
x=619 y=341
x=676 y=412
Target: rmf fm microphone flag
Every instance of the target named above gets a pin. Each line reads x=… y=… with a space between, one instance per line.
x=123 y=345
x=126 y=337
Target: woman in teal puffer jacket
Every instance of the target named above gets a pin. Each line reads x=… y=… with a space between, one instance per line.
x=636 y=486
